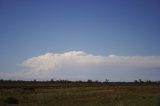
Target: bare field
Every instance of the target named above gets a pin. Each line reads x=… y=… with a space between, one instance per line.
x=80 y=95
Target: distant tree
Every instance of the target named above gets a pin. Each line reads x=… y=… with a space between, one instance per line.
x=148 y=81
x=79 y=81
x=52 y=80
x=34 y=80
x=96 y=81
x=135 y=81
x=140 y=81
x=89 y=81
x=106 y=81
x=1 y=80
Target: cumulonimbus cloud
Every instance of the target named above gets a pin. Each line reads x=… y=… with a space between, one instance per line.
x=75 y=63
x=82 y=65
x=52 y=61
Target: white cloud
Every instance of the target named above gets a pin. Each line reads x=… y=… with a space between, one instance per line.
x=76 y=65
x=51 y=61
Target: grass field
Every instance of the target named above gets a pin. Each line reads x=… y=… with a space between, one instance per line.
x=111 y=95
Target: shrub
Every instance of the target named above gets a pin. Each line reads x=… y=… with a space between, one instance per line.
x=11 y=100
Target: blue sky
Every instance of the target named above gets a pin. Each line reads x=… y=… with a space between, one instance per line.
x=101 y=27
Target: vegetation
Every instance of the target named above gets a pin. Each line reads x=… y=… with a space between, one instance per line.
x=79 y=93
x=11 y=100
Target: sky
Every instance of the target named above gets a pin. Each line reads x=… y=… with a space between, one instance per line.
x=80 y=39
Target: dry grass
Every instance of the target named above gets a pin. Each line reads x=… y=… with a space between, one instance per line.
x=116 y=95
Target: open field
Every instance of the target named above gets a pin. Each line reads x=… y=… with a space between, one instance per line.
x=81 y=95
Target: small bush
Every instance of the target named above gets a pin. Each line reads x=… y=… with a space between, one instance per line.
x=11 y=100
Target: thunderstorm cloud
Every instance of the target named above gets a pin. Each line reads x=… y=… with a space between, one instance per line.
x=79 y=65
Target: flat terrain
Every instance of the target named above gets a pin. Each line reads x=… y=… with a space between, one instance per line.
x=105 y=95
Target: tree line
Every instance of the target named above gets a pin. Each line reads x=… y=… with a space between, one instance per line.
x=107 y=81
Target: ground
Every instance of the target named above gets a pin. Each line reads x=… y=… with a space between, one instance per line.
x=111 y=95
